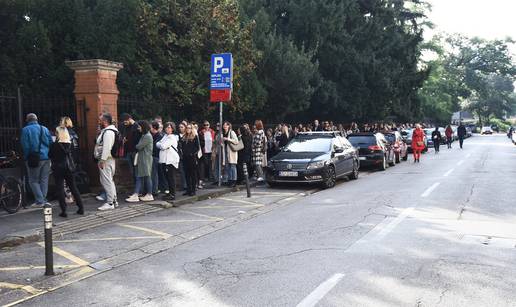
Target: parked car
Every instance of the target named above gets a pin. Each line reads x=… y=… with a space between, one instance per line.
x=407 y=134
x=486 y=130
x=400 y=147
x=373 y=149
x=513 y=137
x=314 y=157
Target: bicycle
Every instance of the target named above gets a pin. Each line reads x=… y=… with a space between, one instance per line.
x=11 y=191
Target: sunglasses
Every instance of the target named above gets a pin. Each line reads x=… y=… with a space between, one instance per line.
x=206 y=125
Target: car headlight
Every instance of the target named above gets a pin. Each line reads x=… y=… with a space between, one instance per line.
x=314 y=165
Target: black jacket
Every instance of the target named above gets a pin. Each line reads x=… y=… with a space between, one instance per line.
x=57 y=155
x=190 y=148
x=461 y=131
x=436 y=136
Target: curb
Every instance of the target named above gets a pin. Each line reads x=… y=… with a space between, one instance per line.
x=108 y=217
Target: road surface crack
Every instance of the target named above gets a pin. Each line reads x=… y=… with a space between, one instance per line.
x=468 y=199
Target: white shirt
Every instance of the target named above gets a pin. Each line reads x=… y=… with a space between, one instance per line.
x=208 y=141
x=168 y=150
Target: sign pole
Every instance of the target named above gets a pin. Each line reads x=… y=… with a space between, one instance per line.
x=221 y=148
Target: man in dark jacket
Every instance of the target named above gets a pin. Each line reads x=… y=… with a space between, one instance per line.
x=461 y=133
x=131 y=137
x=36 y=139
x=436 y=138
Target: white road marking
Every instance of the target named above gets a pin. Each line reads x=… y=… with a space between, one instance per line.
x=318 y=294
x=387 y=229
x=430 y=189
x=449 y=172
x=460 y=162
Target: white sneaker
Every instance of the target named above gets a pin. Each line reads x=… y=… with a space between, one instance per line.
x=133 y=199
x=147 y=197
x=167 y=192
x=106 y=207
x=260 y=179
x=115 y=203
x=100 y=198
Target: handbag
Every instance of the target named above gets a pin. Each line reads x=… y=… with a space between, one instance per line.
x=237 y=147
x=34 y=157
x=420 y=143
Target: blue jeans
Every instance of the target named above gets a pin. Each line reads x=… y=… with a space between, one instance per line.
x=143 y=181
x=231 y=172
x=38 y=180
x=158 y=177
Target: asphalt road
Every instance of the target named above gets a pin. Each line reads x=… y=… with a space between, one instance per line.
x=441 y=232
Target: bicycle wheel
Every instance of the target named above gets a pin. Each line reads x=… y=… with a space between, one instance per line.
x=11 y=195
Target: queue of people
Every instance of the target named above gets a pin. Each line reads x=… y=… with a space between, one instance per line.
x=161 y=158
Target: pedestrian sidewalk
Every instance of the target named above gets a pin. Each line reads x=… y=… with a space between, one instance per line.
x=27 y=225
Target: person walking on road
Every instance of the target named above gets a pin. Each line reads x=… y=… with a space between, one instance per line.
x=35 y=141
x=63 y=166
x=449 y=136
x=169 y=157
x=190 y=148
x=418 y=144
x=436 y=138
x=143 y=164
x=461 y=133
x=106 y=163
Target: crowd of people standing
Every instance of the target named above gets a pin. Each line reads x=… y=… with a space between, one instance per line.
x=163 y=157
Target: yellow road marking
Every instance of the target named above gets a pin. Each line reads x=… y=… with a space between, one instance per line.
x=199 y=214
x=240 y=201
x=109 y=239
x=171 y=221
x=29 y=289
x=159 y=233
x=67 y=255
x=38 y=267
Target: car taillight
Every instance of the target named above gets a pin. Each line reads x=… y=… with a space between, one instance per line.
x=375 y=147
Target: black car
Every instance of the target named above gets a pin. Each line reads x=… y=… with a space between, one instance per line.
x=374 y=150
x=314 y=157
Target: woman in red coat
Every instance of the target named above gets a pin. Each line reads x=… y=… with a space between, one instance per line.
x=418 y=142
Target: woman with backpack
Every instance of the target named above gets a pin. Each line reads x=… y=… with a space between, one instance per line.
x=143 y=164
x=63 y=166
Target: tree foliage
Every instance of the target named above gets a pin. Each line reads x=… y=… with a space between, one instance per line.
x=339 y=59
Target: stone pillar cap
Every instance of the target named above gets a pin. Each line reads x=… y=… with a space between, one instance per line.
x=94 y=64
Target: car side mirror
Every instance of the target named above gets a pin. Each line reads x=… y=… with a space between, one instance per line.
x=339 y=149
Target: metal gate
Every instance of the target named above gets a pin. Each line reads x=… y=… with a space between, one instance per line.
x=10 y=123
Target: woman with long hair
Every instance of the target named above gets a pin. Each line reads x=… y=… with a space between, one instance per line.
x=63 y=167
x=143 y=163
x=190 y=147
x=260 y=149
x=169 y=157
x=418 y=142
x=230 y=156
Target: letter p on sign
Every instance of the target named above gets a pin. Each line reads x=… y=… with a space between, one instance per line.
x=218 y=63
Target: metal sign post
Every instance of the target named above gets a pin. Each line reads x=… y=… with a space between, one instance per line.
x=221 y=86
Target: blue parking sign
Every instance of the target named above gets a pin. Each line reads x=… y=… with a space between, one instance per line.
x=221 y=71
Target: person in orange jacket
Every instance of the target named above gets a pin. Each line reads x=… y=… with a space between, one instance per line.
x=418 y=142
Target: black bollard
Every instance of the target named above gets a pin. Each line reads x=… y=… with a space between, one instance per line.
x=246 y=175
x=49 y=254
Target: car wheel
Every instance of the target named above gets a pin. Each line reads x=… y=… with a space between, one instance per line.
x=354 y=174
x=384 y=164
x=272 y=184
x=330 y=178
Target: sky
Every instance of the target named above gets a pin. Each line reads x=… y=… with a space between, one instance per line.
x=488 y=19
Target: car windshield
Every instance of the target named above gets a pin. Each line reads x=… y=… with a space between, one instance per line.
x=361 y=140
x=309 y=145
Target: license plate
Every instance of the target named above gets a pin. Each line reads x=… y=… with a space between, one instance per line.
x=288 y=174
x=362 y=158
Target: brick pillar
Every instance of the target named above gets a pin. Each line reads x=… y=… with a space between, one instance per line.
x=96 y=92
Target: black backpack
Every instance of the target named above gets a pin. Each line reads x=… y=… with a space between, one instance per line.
x=117 y=151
